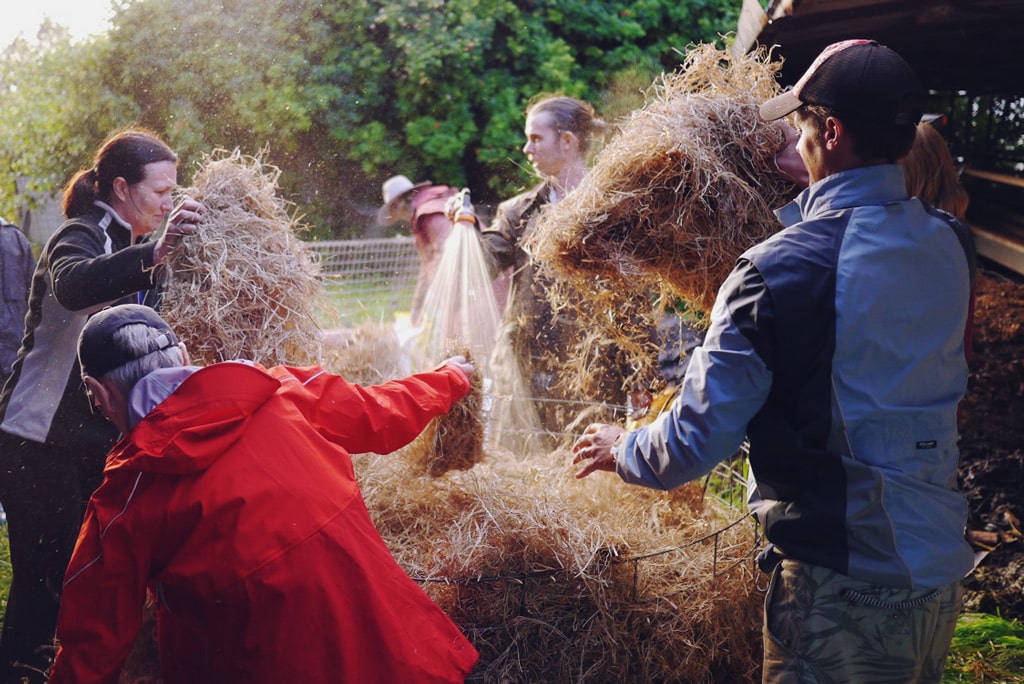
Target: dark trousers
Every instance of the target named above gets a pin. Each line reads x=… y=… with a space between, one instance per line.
x=44 y=490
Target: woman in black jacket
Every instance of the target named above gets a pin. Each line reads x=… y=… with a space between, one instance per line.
x=52 y=448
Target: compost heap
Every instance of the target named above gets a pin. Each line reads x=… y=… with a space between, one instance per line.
x=555 y=579
x=244 y=286
x=686 y=186
x=551 y=578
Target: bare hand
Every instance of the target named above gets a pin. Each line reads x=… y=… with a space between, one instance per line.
x=183 y=221
x=596 y=444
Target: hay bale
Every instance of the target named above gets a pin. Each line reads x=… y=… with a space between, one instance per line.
x=685 y=187
x=557 y=579
x=244 y=286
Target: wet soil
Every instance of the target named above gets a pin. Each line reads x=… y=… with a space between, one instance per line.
x=992 y=447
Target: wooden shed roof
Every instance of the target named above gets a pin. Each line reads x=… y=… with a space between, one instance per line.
x=975 y=46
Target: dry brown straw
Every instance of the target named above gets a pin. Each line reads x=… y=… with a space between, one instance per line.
x=685 y=187
x=455 y=440
x=244 y=286
x=557 y=579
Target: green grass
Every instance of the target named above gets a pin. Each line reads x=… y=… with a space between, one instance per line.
x=986 y=649
x=357 y=302
x=5 y=568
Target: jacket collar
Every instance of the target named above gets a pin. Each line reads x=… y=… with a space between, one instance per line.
x=867 y=185
x=117 y=229
x=203 y=414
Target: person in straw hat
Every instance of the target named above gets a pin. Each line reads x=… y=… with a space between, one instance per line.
x=837 y=348
x=422 y=206
x=231 y=497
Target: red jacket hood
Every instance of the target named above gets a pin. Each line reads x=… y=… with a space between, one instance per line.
x=198 y=422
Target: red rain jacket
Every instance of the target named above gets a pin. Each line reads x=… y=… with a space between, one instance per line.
x=235 y=502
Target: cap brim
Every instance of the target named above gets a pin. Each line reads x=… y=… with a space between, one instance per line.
x=779 y=106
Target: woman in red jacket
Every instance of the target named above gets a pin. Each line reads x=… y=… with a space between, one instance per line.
x=232 y=498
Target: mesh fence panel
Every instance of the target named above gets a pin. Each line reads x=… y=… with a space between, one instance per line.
x=369 y=279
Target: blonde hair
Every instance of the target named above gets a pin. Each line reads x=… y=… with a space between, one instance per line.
x=930 y=174
x=572 y=115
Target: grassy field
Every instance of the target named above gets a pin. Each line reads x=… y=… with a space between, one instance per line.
x=349 y=303
x=5 y=568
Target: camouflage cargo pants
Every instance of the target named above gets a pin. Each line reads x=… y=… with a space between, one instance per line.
x=822 y=627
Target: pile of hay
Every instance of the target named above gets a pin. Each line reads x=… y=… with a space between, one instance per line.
x=685 y=187
x=244 y=286
x=557 y=579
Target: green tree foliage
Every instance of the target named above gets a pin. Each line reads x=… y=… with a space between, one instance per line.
x=467 y=68
x=341 y=95
x=55 y=109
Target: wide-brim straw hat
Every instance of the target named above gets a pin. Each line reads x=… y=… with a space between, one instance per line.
x=393 y=190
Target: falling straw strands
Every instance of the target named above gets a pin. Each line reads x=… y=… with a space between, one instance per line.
x=244 y=286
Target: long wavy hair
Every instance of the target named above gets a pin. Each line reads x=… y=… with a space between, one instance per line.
x=930 y=173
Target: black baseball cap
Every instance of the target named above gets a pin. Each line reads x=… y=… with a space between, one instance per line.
x=856 y=78
x=97 y=352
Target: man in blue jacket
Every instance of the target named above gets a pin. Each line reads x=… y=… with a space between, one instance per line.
x=836 y=348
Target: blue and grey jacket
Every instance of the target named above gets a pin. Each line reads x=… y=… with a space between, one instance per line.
x=837 y=348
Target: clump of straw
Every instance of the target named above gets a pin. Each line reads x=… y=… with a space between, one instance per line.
x=685 y=187
x=245 y=285
x=454 y=441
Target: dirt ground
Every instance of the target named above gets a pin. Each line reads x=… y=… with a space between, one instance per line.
x=992 y=450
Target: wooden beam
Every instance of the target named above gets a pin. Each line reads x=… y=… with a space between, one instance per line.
x=995 y=177
x=752 y=21
x=999 y=248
